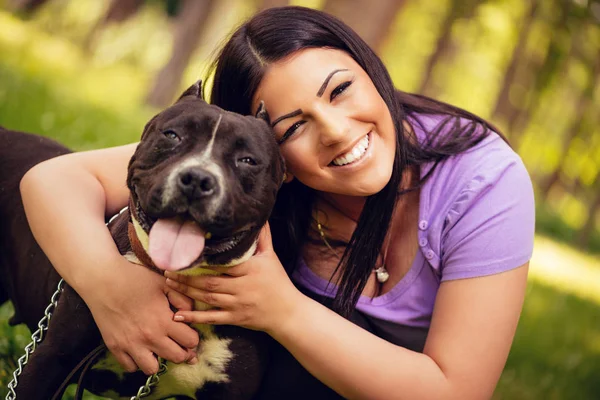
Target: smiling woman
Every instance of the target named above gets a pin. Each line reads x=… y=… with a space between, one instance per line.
x=330 y=140
x=400 y=237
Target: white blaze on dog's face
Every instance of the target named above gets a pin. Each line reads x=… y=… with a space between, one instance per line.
x=199 y=163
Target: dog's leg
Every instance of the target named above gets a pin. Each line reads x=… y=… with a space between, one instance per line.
x=71 y=335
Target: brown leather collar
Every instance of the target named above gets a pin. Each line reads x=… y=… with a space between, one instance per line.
x=137 y=248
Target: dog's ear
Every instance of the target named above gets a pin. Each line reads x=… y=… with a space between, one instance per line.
x=262 y=113
x=194 y=91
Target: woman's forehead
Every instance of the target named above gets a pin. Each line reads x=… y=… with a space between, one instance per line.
x=303 y=71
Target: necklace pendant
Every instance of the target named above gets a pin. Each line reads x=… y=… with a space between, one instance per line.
x=381 y=274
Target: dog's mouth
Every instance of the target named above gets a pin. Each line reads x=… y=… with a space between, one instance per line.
x=216 y=244
x=179 y=242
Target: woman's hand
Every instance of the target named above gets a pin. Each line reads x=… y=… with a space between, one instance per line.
x=136 y=322
x=256 y=294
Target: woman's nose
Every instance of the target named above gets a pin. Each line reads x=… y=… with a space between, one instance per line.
x=334 y=127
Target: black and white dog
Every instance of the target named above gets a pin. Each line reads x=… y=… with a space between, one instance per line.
x=203 y=182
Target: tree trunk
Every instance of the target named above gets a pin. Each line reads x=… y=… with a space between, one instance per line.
x=445 y=47
x=264 y=4
x=539 y=74
x=189 y=24
x=371 y=20
x=518 y=59
x=118 y=11
x=585 y=233
x=26 y=7
x=585 y=107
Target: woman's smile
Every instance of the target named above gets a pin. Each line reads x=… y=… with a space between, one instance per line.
x=360 y=152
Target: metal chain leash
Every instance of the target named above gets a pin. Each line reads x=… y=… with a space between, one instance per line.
x=151 y=381
x=37 y=337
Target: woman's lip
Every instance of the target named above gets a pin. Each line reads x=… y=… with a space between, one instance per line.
x=365 y=156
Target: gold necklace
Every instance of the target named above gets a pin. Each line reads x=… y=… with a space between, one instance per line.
x=381 y=273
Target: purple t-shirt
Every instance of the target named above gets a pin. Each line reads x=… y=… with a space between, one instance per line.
x=476 y=218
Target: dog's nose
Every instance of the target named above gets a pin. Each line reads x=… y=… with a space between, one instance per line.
x=196 y=183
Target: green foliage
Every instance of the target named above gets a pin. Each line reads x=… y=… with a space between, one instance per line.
x=556 y=352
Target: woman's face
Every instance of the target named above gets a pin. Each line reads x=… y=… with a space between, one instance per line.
x=336 y=132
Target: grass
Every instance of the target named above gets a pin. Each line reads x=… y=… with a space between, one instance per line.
x=48 y=87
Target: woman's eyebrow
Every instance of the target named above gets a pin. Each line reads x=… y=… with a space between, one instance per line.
x=288 y=115
x=319 y=94
x=326 y=81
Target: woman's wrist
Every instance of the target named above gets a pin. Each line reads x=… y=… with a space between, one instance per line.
x=294 y=316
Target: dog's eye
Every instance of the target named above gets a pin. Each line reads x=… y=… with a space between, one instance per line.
x=171 y=135
x=247 y=160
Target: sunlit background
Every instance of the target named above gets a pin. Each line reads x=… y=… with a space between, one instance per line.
x=90 y=73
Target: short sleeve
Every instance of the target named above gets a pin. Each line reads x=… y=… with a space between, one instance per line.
x=490 y=225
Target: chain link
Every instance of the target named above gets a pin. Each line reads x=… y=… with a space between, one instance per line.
x=151 y=381
x=38 y=336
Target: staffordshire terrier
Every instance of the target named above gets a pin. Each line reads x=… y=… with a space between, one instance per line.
x=202 y=182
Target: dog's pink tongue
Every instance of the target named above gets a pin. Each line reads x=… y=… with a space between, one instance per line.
x=175 y=244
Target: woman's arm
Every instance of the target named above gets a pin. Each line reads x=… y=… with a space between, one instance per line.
x=471 y=333
x=473 y=326
x=66 y=200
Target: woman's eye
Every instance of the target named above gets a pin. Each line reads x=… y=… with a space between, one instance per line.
x=171 y=135
x=339 y=90
x=290 y=131
x=247 y=160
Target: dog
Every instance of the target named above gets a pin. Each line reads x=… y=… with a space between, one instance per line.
x=197 y=168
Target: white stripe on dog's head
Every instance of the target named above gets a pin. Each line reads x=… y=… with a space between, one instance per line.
x=204 y=160
x=207 y=152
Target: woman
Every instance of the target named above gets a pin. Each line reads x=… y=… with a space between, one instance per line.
x=412 y=213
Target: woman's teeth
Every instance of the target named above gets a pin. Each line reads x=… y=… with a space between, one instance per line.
x=355 y=154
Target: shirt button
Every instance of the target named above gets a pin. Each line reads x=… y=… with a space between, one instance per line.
x=422 y=242
x=423 y=225
x=429 y=254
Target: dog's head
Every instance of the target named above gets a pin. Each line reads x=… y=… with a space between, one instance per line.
x=203 y=174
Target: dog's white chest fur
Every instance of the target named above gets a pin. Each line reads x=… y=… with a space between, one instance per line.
x=213 y=353
x=184 y=379
x=213 y=357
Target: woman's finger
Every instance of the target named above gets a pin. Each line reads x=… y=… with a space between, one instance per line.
x=146 y=361
x=126 y=362
x=212 y=317
x=183 y=335
x=209 y=283
x=179 y=300
x=265 y=241
x=171 y=351
x=221 y=300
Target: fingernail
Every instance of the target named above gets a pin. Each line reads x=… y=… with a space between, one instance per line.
x=193 y=360
x=171 y=282
x=178 y=318
x=169 y=274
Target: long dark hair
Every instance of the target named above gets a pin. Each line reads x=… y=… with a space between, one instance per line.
x=274 y=34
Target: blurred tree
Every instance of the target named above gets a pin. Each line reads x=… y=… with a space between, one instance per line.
x=264 y=4
x=585 y=110
x=26 y=7
x=118 y=11
x=503 y=104
x=536 y=72
x=188 y=28
x=371 y=20
x=445 y=47
x=585 y=233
